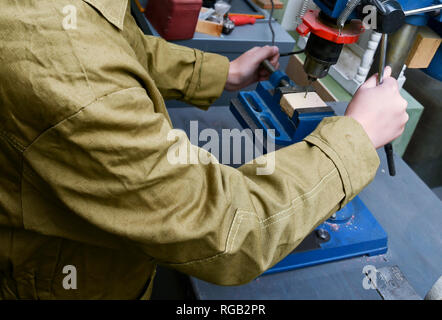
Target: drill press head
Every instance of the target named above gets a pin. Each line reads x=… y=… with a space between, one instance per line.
x=325 y=42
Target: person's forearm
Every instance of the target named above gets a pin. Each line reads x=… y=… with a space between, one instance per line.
x=181 y=73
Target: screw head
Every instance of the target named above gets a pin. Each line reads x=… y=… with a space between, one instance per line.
x=323 y=235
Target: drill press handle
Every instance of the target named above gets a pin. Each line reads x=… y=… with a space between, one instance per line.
x=382 y=61
x=266 y=64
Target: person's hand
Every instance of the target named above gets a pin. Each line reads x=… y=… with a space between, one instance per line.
x=379 y=109
x=247 y=69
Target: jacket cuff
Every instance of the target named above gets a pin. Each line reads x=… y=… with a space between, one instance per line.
x=346 y=143
x=208 y=80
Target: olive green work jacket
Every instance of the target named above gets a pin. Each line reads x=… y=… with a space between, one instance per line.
x=85 y=180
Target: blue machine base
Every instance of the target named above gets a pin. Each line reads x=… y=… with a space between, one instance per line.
x=354 y=232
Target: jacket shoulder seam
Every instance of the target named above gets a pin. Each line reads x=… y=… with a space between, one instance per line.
x=117 y=21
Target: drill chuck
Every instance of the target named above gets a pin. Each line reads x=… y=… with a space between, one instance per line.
x=321 y=54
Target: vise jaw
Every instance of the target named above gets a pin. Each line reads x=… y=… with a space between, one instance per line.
x=281 y=111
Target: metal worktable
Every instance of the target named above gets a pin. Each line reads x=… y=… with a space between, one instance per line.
x=407 y=209
x=233 y=45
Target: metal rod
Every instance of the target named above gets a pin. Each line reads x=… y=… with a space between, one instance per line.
x=423 y=10
x=383 y=58
x=270 y=22
x=399 y=46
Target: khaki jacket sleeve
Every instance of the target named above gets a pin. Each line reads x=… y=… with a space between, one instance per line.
x=185 y=74
x=110 y=165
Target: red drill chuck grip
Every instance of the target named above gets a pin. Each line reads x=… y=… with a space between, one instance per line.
x=312 y=23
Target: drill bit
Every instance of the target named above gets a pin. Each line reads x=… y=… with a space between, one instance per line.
x=307 y=89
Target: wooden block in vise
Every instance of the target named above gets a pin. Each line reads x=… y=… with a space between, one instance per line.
x=292 y=101
x=266 y=4
x=424 y=48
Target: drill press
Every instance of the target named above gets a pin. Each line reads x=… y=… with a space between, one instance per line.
x=352 y=231
x=325 y=42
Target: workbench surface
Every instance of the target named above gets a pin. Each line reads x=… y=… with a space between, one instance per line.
x=243 y=38
x=407 y=209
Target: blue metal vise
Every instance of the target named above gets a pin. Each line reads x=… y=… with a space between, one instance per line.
x=265 y=111
x=352 y=231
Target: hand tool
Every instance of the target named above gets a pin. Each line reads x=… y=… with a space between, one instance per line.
x=256 y=16
x=242 y=20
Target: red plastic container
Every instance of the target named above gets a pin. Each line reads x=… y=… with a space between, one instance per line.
x=174 y=19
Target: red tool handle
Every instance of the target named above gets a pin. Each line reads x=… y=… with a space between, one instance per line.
x=242 y=20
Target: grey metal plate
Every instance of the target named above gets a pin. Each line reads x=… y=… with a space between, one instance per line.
x=393 y=285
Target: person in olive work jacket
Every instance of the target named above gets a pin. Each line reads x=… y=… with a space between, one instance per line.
x=84 y=175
